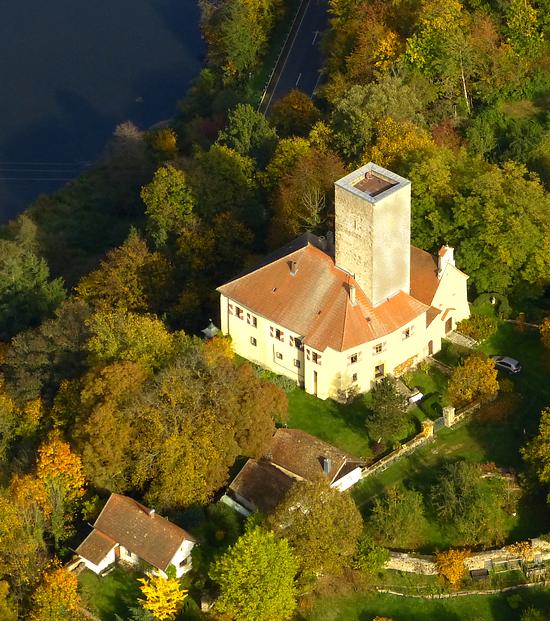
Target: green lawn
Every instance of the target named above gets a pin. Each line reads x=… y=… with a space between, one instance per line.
x=365 y=607
x=432 y=383
x=340 y=424
x=481 y=440
x=111 y=594
x=118 y=591
x=532 y=382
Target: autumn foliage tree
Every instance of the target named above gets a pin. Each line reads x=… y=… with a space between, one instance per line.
x=475 y=379
x=450 y=565
x=163 y=597
x=130 y=277
x=57 y=597
x=304 y=198
x=180 y=427
x=295 y=114
x=321 y=523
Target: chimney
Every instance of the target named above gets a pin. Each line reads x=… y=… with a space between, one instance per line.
x=327 y=464
x=445 y=257
x=352 y=295
x=293 y=268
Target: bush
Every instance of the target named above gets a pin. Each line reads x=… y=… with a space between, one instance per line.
x=369 y=556
x=285 y=383
x=478 y=327
x=501 y=305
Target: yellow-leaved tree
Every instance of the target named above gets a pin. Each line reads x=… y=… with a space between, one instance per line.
x=56 y=461
x=476 y=379
x=163 y=596
x=450 y=565
x=395 y=140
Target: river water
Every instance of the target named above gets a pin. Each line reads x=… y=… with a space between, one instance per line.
x=71 y=70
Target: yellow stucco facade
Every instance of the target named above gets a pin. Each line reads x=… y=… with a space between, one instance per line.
x=329 y=372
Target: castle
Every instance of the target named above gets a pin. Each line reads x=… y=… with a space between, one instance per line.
x=339 y=316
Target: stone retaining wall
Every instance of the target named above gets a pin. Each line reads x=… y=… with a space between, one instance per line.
x=425 y=564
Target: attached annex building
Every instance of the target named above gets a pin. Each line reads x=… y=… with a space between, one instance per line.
x=342 y=315
x=293 y=455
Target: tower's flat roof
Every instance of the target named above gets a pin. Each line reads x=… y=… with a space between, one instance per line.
x=372 y=182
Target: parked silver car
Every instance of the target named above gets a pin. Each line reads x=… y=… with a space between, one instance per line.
x=505 y=363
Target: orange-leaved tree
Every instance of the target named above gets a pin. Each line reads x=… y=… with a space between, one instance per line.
x=56 y=598
x=450 y=565
x=60 y=474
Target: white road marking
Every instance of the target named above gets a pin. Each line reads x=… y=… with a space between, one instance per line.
x=316 y=83
x=298 y=79
x=315 y=37
x=287 y=55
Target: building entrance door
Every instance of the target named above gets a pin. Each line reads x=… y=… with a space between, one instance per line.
x=315 y=383
x=430 y=348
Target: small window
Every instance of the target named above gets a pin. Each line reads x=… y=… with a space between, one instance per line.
x=297 y=363
x=298 y=343
x=279 y=335
x=239 y=312
x=378 y=348
x=278 y=355
x=406 y=333
x=354 y=377
x=251 y=320
x=253 y=341
x=379 y=371
x=230 y=308
x=315 y=357
x=353 y=359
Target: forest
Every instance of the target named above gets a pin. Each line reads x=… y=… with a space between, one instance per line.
x=105 y=385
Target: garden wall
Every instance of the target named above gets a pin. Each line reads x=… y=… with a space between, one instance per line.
x=425 y=564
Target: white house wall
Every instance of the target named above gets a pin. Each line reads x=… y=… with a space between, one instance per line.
x=108 y=559
x=347 y=481
x=451 y=296
x=181 y=555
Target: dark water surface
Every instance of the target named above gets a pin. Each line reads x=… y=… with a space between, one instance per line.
x=71 y=70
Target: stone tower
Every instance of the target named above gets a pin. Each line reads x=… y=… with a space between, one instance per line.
x=373 y=230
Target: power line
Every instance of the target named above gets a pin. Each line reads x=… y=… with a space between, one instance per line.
x=36 y=179
x=74 y=163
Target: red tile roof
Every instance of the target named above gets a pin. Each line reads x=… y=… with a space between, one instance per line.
x=140 y=530
x=314 y=302
x=262 y=484
x=294 y=455
x=95 y=547
x=302 y=454
x=424 y=280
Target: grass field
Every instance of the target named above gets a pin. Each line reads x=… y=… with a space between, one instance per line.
x=340 y=424
x=112 y=594
x=118 y=592
x=474 y=608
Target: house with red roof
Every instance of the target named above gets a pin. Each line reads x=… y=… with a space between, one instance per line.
x=127 y=531
x=338 y=316
x=293 y=455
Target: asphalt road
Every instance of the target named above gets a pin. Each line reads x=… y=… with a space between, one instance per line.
x=301 y=59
